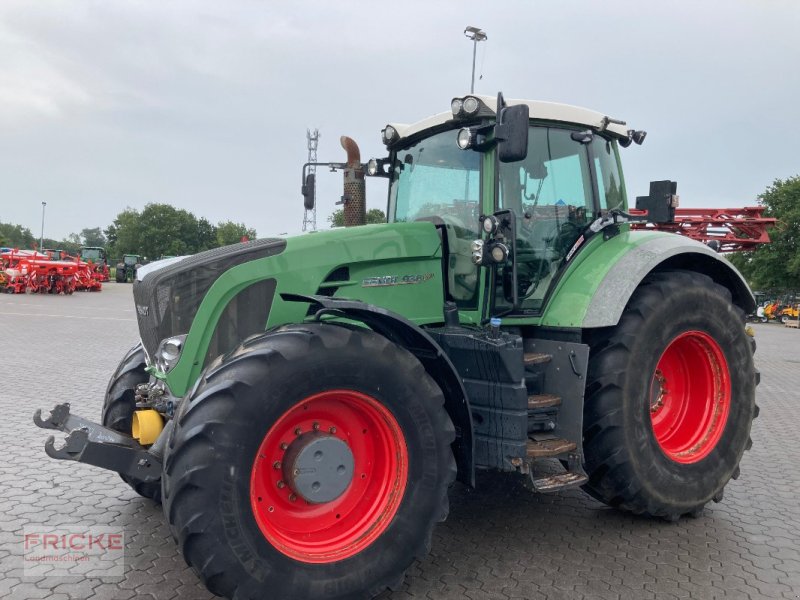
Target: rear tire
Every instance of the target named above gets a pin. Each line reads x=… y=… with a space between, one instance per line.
x=120 y=402
x=670 y=398
x=225 y=498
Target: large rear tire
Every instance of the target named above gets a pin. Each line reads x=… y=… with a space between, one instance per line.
x=255 y=515
x=119 y=405
x=670 y=398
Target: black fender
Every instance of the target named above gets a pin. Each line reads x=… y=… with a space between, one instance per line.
x=416 y=340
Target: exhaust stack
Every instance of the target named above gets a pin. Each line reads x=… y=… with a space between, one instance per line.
x=355 y=191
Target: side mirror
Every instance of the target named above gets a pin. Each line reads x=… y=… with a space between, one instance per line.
x=309 y=190
x=511 y=133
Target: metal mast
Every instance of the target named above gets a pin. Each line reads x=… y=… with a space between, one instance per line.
x=310 y=216
x=476 y=34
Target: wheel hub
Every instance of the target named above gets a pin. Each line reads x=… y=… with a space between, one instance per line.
x=318 y=467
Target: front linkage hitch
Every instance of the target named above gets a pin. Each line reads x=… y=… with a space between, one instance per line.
x=96 y=445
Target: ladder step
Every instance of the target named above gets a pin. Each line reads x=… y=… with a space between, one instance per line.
x=549 y=448
x=559 y=481
x=543 y=401
x=535 y=358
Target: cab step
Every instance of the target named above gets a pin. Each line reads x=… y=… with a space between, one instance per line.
x=558 y=482
x=543 y=401
x=549 y=448
x=536 y=358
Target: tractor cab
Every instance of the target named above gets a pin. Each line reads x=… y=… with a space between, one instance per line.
x=93 y=254
x=513 y=185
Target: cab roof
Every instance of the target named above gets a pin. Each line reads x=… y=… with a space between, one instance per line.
x=545 y=111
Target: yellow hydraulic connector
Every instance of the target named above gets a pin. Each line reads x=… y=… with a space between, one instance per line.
x=147 y=425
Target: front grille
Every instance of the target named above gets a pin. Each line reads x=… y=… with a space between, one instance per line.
x=167 y=299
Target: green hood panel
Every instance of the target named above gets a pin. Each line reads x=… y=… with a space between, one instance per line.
x=395 y=265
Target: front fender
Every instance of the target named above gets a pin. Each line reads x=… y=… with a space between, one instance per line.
x=596 y=289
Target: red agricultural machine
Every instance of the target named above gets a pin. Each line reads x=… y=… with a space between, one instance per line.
x=34 y=272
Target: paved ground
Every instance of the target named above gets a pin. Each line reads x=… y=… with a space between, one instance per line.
x=499 y=542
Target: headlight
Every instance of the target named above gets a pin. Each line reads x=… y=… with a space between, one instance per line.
x=372 y=167
x=499 y=253
x=169 y=352
x=490 y=224
x=464 y=138
x=456 y=105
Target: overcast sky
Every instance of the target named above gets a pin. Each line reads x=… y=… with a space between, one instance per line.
x=205 y=105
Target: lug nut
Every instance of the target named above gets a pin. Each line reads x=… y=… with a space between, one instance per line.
x=276 y=464
x=292 y=498
x=316 y=426
x=281 y=485
x=284 y=446
x=332 y=430
x=298 y=431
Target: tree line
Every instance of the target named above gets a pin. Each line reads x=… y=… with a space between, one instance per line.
x=775 y=267
x=157 y=230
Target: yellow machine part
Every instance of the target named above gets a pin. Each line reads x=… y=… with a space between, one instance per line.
x=146 y=426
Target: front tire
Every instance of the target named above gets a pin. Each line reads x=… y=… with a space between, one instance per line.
x=236 y=486
x=119 y=405
x=670 y=398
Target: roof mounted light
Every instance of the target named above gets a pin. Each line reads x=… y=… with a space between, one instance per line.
x=389 y=135
x=633 y=136
x=372 y=167
x=471 y=105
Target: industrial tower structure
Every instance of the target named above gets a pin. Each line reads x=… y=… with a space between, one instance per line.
x=310 y=216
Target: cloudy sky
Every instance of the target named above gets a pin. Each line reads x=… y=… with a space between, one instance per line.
x=205 y=105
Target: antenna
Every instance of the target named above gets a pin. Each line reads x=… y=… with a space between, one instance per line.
x=310 y=216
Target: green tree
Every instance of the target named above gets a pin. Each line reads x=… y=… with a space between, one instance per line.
x=374 y=215
x=16 y=236
x=229 y=232
x=777 y=265
x=206 y=235
x=93 y=237
x=125 y=232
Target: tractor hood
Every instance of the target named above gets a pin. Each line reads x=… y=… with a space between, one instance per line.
x=215 y=299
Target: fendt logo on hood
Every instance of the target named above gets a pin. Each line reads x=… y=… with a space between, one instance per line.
x=143 y=310
x=387 y=280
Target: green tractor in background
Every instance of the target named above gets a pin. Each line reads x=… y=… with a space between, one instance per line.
x=300 y=406
x=127 y=267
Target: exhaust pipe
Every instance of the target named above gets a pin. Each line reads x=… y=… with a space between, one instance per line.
x=355 y=190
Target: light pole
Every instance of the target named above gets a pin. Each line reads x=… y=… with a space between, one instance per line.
x=41 y=239
x=476 y=34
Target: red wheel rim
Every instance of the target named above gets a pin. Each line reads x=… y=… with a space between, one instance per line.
x=690 y=397
x=340 y=528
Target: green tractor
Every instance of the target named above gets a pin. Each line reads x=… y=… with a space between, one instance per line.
x=127 y=267
x=301 y=406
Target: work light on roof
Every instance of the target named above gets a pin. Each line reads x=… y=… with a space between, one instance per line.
x=390 y=135
x=456 y=105
x=471 y=105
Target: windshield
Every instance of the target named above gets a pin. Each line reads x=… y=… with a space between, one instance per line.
x=434 y=180
x=131 y=260
x=93 y=254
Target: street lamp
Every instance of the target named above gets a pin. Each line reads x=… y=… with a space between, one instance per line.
x=476 y=34
x=41 y=239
